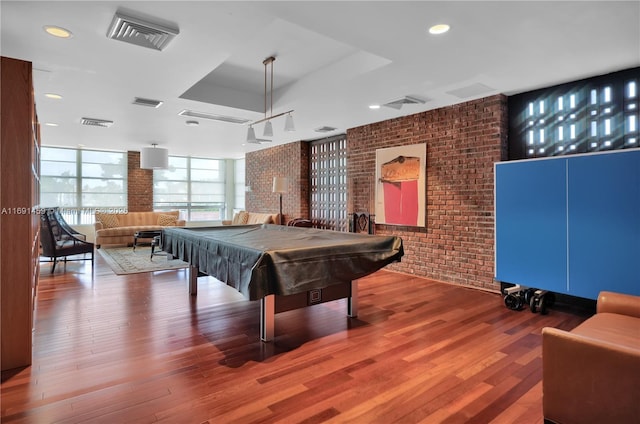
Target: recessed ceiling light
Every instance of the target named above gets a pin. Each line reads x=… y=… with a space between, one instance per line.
x=51 y=124
x=192 y=123
x=53 y=96
x=374 y=106
x=439 y=29
x=57 y=31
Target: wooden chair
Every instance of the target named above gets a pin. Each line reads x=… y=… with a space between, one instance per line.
x=300 y=222
x=361 y=222
x=57 y=242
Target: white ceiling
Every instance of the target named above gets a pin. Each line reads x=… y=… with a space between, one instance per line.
x=333 y=59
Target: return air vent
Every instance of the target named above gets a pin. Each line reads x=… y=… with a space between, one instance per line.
x=406 y=100
x=147 y=102
x=325 y=129
x=140 y=32
x=203 y=115
x=93 y=122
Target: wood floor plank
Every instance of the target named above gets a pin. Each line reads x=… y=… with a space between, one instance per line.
x=139 y=349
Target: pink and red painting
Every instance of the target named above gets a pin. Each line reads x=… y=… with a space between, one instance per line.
x=400 y=185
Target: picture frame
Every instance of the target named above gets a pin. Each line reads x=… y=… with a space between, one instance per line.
x=400 y=185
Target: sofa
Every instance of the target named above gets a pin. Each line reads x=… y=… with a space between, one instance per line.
x=249 y=218
x=591 y=374
x=119 y=228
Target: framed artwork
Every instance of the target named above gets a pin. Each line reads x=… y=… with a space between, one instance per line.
x=400 y=188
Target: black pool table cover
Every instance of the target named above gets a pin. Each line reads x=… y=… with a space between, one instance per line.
x=260 y=260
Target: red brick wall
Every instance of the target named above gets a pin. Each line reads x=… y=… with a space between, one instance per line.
x=139 y=185
x=463 y=141
x=288 y=160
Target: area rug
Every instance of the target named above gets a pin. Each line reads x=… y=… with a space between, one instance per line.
x=124 y=260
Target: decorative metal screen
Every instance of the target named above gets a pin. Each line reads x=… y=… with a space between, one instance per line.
x=328 y=178
x=590 y=115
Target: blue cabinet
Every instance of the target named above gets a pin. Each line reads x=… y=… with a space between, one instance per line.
x=531 y=224
x=571 y=224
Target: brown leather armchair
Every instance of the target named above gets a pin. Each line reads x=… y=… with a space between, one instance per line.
x=592 y=373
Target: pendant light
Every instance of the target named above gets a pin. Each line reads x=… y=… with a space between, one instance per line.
x=154 y=157
x=268 y=129
x=251 y=135
x=288 y=123
x=268 y=126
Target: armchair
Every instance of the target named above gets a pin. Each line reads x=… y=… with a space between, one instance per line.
x=63 y=224
x=58 y=242
x=591 y=374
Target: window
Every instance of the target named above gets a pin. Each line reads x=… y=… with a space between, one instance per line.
x=80 y=181
x=328 y=175
x=590 y=115
x=195 y=186
x=240 y=186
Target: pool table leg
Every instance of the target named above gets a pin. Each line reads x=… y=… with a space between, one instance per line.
x=192 y=275
x=352 y=301
x=267 y=317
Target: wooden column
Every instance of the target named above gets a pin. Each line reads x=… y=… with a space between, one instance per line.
x=19 y=221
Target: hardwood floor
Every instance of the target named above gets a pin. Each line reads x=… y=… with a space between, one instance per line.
x=139 y=349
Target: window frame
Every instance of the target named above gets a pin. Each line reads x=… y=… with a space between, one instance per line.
x=79 y=212
x=189 y=208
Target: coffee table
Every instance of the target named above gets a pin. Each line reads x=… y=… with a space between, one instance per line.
x=145 y=235
x=157 y=242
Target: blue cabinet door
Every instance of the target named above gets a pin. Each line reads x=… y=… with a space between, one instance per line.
x=531 y=223
x=604 y=223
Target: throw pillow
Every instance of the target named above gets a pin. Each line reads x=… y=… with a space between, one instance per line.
x=167 y=220
x=108 y=220
x=240 y=218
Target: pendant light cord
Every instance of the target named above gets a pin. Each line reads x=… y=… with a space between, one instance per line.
x=271 y=109
x=266 y=62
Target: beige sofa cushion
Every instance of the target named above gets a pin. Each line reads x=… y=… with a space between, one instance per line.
x=252 y=218
x=135 y=219
x=260 y=218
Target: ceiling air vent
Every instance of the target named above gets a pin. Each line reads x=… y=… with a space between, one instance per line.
x=473 y=90
x=140 y=32
x=325 y=129
x=147 y=102
x=406 y=100
x=203 y=115
x=92 y=122
x=259 y=141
